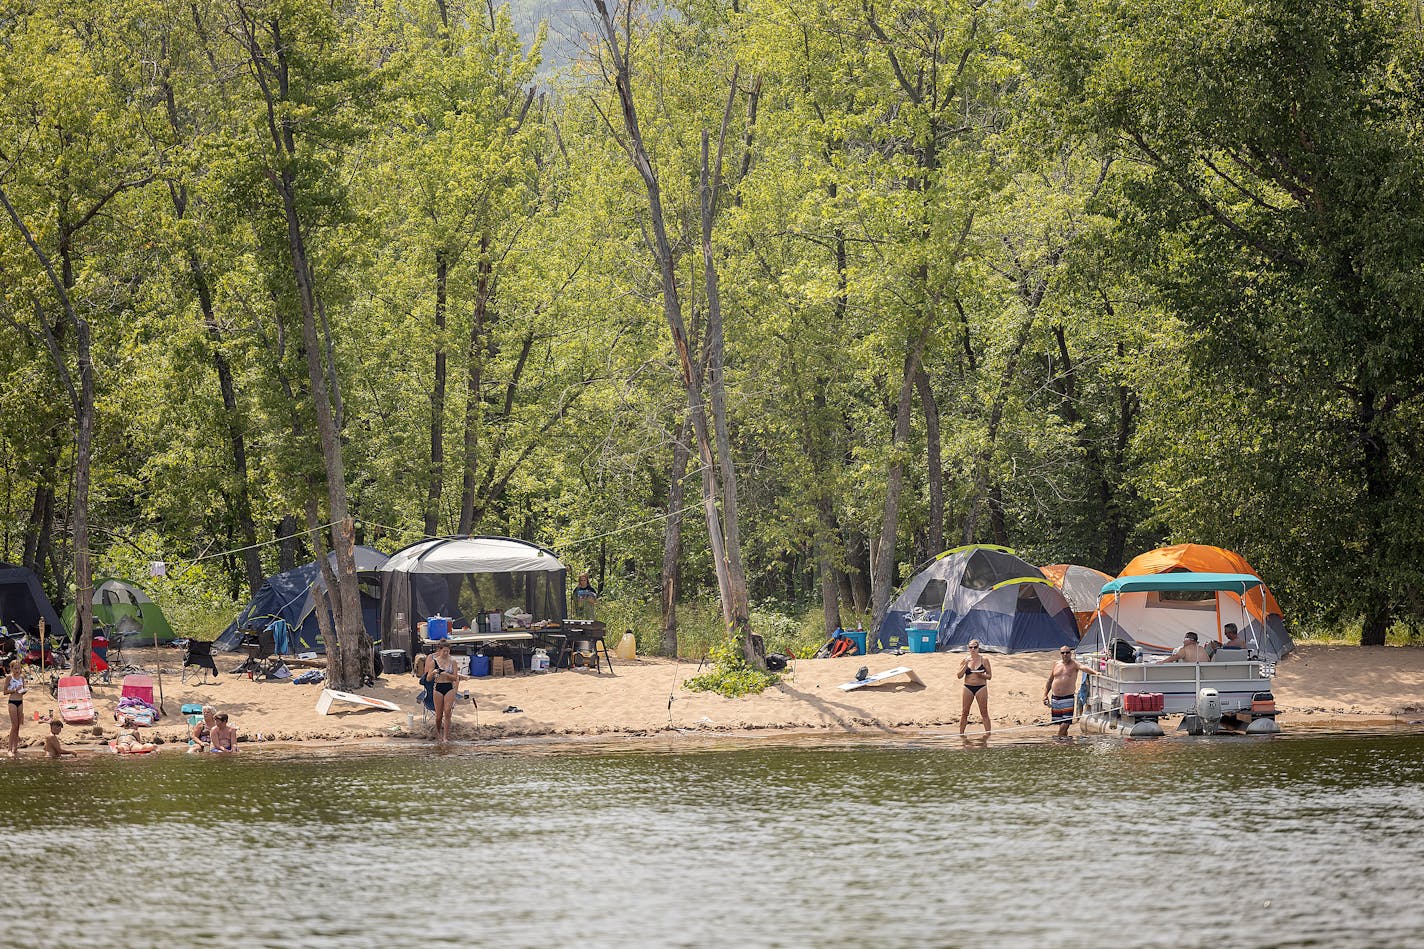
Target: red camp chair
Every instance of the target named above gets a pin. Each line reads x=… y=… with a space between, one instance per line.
x=76 y=704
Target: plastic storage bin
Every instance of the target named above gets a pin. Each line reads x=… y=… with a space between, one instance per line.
x=856 y=636
x=923 y=640
x=395 y=661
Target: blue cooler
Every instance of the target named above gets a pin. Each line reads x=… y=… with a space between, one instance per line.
x=479 y=666
x=923 y=640
x=437 y=627
x=856 y=636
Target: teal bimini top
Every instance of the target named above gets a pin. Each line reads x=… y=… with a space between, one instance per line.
x=1232 y=582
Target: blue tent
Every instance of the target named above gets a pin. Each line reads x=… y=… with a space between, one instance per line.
x=292 y=598
x=23 y=602
x=985 y=593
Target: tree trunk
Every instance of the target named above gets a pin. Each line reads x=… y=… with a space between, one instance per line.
x=732 y=588
x=672 y=540
x=882 y=576
x=484 y=289
x=933 y=461
x=349 y=664
x=437 y=403
x=237 y=442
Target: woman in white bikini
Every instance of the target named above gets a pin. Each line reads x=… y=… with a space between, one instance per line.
x=15 y=702
x=976 y=672
x=447 y=677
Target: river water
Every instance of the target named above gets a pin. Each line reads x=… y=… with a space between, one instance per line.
x=1293 y=841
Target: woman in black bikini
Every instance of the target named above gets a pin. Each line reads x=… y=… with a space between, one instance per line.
x=976 y=673
x=15 y=695
x=447 y=676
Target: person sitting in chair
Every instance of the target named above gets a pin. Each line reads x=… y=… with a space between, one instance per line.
x=1231 y=639
x=1189 y=651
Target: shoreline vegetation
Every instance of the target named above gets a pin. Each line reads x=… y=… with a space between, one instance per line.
x=1319 y=687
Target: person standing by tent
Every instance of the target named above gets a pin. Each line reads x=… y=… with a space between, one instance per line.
x=976 y=672
x=1058 y=690
x=15 y=702
x=585 y=596
x=446 y=673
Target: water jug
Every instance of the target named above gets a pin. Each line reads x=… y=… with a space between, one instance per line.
x=627 y=647
x=539 y=662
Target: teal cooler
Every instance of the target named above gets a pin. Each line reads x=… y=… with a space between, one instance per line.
x=923 y=640
x=856 y=636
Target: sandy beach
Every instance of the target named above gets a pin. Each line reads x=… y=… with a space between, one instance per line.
x=1318 y=686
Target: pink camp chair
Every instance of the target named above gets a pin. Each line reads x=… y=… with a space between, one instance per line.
x=76 y=704
x=138 y=686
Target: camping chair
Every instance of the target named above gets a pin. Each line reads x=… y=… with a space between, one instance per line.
x=259 y=656
x=198 y=662
x=138 y=685
x=76 y=703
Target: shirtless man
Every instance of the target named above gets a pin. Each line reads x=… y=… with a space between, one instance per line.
x=1058 y=690
x=1189 y=651
x=53 y=748
x=223 y=735
x=1233 y=638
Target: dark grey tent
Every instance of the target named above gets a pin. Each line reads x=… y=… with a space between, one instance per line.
x=23 y=602
x=986 y=593
x=293 y=596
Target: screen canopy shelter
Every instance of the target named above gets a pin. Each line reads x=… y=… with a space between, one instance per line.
x=461 y=577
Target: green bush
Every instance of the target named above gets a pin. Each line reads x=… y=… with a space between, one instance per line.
x=730 y=675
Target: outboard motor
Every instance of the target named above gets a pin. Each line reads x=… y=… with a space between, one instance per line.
x=1209 y=711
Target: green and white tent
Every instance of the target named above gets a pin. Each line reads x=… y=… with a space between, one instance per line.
x=126 y=609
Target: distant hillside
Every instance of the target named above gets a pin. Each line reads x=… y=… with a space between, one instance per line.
x=567 y=19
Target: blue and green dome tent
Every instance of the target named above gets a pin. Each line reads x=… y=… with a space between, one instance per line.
x=986 y=593
x=293 y=596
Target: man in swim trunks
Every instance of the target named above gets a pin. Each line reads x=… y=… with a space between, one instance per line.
x=1058 y=690
x=224 y=736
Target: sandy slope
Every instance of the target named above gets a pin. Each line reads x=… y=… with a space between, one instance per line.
x=1340 y=686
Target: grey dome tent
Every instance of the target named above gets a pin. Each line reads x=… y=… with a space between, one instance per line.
x=292 y=596
x=23 y=602
x=459 y=577
x=986 y=593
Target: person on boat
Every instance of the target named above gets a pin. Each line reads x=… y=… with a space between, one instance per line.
x=1189 y=651
x=1231 y=639
x=446 y=675
x=15 y=694
x=976 y=672
x=223 y=735
x=1058 y=690
x=52 y=747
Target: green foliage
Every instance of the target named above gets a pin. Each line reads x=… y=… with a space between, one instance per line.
x=730 y=675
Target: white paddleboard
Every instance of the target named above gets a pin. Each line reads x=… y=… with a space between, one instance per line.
x=328 y=696
x=880 y=677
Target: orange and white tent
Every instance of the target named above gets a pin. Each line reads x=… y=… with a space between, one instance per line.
x=1157 y=620
x=1082 y=587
